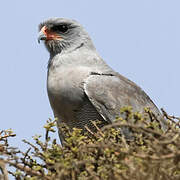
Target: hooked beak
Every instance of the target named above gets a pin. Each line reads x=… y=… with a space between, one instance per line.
x=41 y=36
x=45 y=34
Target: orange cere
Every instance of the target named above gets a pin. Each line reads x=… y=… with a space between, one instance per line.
x=49 y=34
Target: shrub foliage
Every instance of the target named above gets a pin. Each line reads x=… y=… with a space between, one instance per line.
x=107 y=154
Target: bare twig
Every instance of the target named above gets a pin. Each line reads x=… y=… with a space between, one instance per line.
x=3 y=170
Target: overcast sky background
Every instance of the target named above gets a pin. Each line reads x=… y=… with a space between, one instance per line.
x=139 y=39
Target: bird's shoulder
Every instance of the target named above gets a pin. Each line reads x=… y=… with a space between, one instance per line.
x=110 y=92
x=112 y=82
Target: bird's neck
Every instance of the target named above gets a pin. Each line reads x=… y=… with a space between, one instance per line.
x=73 y=55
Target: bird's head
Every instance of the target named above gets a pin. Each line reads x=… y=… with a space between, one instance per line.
x=60 y=34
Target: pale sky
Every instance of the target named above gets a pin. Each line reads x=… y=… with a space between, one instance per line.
x=139 y=39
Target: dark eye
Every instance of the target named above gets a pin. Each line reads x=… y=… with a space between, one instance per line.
x=61 y=28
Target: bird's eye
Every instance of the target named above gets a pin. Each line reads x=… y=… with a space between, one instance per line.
x=61 y=28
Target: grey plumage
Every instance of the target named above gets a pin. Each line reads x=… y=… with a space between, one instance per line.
x=81 y=86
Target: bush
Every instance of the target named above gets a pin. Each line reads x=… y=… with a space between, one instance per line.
x=106 y=154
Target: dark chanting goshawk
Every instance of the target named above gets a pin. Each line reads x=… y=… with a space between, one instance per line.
x=81 y=86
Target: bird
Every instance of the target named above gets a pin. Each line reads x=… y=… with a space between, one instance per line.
x=81 y=86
